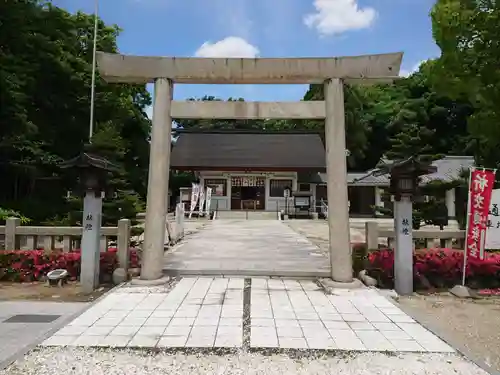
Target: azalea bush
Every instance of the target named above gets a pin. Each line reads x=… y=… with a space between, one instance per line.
x=33 y=265
x=437 y=268
x=359 y=254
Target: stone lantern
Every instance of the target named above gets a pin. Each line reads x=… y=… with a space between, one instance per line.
x=404 y=180
x=92 y=171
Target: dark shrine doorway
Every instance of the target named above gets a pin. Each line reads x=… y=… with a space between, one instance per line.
x=248 y=193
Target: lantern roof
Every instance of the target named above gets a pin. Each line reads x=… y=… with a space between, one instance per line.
x=89 y=160
x=417 y=165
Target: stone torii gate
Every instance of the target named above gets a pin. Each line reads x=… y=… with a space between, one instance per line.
x=332 y=72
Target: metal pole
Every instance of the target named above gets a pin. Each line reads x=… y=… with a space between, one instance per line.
x=92 y=84
x=467 y=217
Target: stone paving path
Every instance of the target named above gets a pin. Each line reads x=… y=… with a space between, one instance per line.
x=298 y=314
x=248 y=313
x=247 y=248
x=22 y=323
x=198 y=312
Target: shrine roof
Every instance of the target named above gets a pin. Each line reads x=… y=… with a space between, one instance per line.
x=257 y=150
x=448 y=169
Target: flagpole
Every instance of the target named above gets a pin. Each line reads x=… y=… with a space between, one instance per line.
x=92 y=84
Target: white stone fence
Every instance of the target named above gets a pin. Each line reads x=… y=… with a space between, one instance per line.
x=18 y=237
x=432 y=238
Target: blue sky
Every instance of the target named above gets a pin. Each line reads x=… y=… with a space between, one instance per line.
x=267 y=28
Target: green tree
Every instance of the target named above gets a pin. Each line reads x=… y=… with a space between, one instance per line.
x=468 y=33
x=420 y=121
x=411 y=140
x=357 y=129
x=45 y=70
x=218 y=124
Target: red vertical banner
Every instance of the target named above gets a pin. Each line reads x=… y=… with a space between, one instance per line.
x=480 y=189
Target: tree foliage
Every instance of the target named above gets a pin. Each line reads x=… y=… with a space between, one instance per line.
x=45 y=76
x=468 y=33
x=218 y=124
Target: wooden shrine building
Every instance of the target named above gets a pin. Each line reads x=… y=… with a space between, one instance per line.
x=250 y=170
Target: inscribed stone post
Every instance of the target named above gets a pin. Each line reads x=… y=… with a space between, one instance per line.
x=90 y=256
x=403 y=255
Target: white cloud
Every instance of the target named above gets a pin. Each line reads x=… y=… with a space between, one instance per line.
x=231 y=46
x=413 y=69
x=338 y=16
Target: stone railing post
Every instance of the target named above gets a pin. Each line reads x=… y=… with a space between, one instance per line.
x=123 y=243
x=10 y=232
x=371 y=234
x=48 y=244
x=103 y=244
x=67 y=244
x=178 y=223
x=179 y=215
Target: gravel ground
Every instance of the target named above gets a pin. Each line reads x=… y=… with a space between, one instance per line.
x=69 y=361
x=470 y=325
x=39 y=291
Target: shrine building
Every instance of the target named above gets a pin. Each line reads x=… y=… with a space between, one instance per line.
x=250 y=170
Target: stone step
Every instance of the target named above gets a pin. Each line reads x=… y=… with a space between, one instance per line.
x=290 y=274
x=249 y=215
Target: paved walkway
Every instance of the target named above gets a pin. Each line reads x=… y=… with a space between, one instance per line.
x=251 y=313
x=247 y=248
x=23 y=323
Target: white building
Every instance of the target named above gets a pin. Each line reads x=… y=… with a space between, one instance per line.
x=249 y=170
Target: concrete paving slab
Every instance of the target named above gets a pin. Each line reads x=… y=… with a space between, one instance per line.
x=143 y=320
x=300 y=317
x=348 y=320
x=247 y=248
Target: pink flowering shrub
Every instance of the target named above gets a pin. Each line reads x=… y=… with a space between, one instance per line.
x=437 y=268
x=33 y=265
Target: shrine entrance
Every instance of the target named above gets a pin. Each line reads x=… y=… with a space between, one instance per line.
x=248 y=193
x=331 y=72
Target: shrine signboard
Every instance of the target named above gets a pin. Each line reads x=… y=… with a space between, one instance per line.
x=493 y=222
